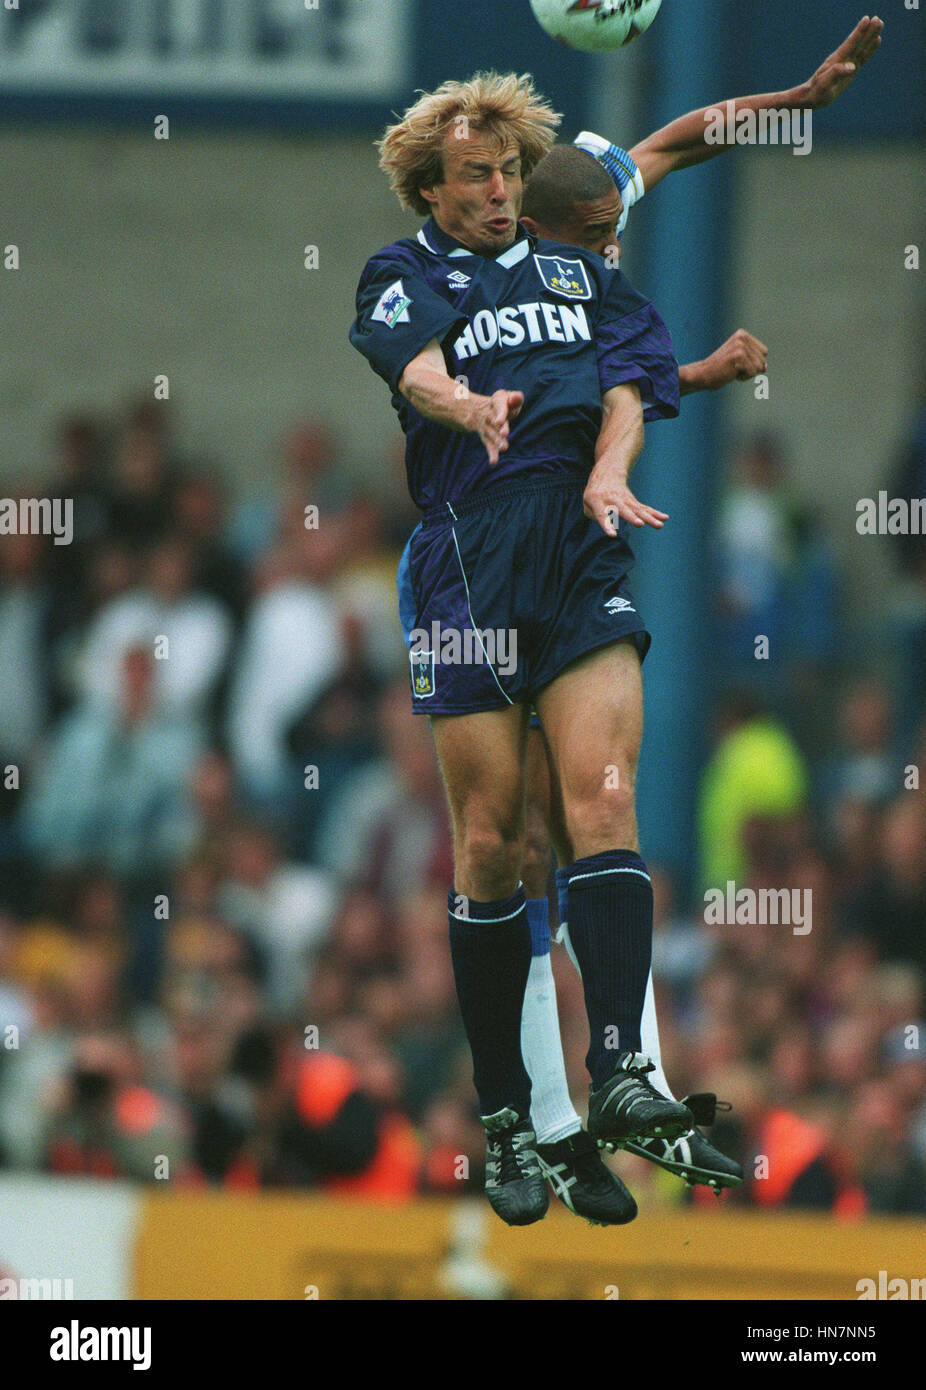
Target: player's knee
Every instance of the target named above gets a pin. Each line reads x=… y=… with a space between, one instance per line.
x=491 y=856
x=605 y=814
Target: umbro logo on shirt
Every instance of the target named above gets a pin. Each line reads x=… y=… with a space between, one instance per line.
x=457 y=280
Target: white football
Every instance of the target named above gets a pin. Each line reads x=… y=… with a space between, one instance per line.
x=595 y=25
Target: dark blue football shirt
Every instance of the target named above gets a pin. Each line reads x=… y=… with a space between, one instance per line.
x=550 y=320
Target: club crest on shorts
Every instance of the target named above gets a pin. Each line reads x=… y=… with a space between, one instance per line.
x=564 y=276
x=422 y=674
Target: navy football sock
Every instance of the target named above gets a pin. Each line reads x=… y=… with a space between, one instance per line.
x=611 y=929
x=490 y=944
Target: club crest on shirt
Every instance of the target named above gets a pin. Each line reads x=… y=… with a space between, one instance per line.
x=393 y=306
x=422 y=674
x=564 y=276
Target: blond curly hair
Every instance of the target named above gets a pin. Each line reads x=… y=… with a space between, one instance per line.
x=503 y=105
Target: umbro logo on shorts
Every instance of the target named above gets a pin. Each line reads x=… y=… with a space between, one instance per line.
x=619 y=605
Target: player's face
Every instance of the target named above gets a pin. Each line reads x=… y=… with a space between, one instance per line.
x=592 y=224
x=480 y=197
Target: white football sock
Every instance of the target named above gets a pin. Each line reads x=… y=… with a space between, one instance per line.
x=649 y=1041
x=649 y=1026
x=553 y=1114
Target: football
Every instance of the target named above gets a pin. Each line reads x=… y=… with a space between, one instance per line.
x=595 y=25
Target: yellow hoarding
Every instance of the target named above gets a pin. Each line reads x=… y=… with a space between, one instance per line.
x=208 y=1246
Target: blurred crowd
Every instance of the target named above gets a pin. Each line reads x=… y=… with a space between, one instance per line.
x=224 y=849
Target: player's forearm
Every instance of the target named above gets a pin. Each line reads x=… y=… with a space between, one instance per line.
x=607 y=498
x=620 y=439
x=438 y=397
x=683 y=143
x=691 y=378
x=740 y=358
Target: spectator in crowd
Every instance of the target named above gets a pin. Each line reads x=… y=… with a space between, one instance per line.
x=143 y=474
x=396 y=808
x=889 y=909
x=365 y=586
x=884 y=1160
x=283 y=908
x=199 y=520
x=310 y=479
x=755 y=771
x=30 y=1074
x=112 y=788
x=291 y=649
x=776 y=578
x=864 y=768
x=107 y=1124
x=188 y=631
x=78 y=479
x=345 y=1148
x=336 y=735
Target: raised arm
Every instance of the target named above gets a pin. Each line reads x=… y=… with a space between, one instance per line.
x=426 y=384
x=681 y=144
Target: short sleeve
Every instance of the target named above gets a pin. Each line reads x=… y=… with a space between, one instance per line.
x=634 y=344
x=398 y=314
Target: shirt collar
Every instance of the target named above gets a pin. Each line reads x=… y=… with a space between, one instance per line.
x=439 y=243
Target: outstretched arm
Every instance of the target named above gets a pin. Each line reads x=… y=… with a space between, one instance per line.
x=740 y=358
x=681 y=144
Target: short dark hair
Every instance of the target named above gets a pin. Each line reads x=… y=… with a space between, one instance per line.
x=564 y=177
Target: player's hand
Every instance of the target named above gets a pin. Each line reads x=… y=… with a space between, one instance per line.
x=607 y=499
x=492 y=420
x=740 y=358
x=834 y=75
